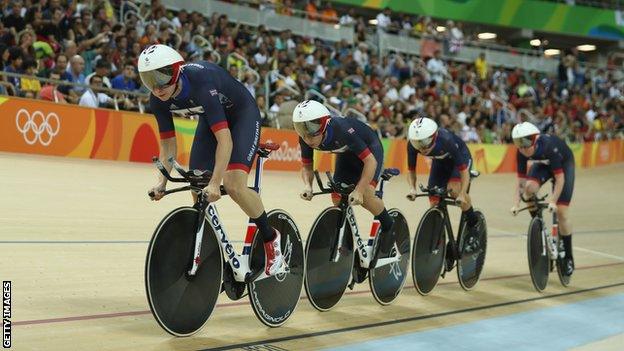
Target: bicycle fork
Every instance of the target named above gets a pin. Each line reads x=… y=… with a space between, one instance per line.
x=553 y=238
x=549 y=242
x=345 y=220
x=198 y=239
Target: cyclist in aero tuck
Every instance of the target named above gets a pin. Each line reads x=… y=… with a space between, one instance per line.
x=359 y=161
x=227 y=133
x=552 y=159
x=449 y=169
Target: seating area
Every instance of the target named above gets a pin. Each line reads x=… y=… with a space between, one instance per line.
x=89 y=46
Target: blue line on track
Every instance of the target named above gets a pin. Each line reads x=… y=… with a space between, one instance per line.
x=552 y=328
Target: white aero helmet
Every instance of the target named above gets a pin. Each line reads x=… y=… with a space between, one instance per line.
x=524 y=134
x=310 y=118
x=422 y=133
x=159 y=66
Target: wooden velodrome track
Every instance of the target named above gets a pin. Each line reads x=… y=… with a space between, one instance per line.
x=74 y=233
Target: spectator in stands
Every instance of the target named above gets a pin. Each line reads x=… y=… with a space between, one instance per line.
x=81 y=30
x=4 y=55
x=285 y=9
x=179 y=20
x=29 y=86
x=15 y=18
x=408 y=89
x=15 y=65
x=481 y=66
x=262 y=56
x=599 y=83
x=102 y=69
x=91 y=98
x=126 y=79
x=50 y=92
x=101 y=19
x=311 y=10
x=76 y=75
x=455 y=37
x=261 y=102
x=249 y=83
x=393 y=90
x=285 y=41
x=71 y=49
x=348 y=19
x=329 y=15
x=278 y=101
x=406 y=25
x=360 y=55
x=384 y=20
x=149 y=36
x=119 y=52
x=26 y=40
x=436 y=67
x=469 y=132
x=61 y=63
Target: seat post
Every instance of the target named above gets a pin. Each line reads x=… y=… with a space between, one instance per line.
x=258 y=175
x=381 y=186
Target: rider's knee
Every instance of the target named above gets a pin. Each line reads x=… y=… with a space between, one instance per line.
x=531 y=187
x=562 y=212
x=233 y=186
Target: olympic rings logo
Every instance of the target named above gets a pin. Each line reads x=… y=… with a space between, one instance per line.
x=37 y=127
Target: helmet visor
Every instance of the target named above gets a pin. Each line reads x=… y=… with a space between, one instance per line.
x=309 y=128
x=422 y=144
x=158 y=78
x=524 y=142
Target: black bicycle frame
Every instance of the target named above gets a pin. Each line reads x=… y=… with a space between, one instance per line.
x=344 y=191
x=442 y=206
x=540 y=205
x=445 y=200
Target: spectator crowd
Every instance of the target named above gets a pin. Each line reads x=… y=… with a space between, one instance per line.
x=96 y=43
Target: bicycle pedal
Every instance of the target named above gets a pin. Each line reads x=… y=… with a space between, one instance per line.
x=359 y=274
x=448 y=266
x=284 y=270
x=235 y=290
x=251 y=276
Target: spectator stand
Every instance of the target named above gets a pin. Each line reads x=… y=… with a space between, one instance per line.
x=119 y=97
x=313 y=94
x=129 y=9
x=275 y=85
x=203 y=45
x=243 y=68
x=7 y=88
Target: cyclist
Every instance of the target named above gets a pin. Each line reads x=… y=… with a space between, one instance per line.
x=227 y=134
x=359 y=161
x=450 y=169
x=552 y=159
